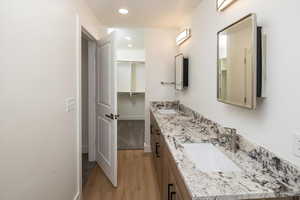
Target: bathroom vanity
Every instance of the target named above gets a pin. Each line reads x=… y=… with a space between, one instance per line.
x=195 y=160
x=170 y=181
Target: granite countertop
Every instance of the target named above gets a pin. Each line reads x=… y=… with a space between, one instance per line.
x=262 y=175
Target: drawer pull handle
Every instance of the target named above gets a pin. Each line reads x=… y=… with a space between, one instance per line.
x=169 y=190
x=173 y=194
x=156 y=149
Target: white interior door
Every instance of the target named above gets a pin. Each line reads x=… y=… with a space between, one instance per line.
x=106 y=108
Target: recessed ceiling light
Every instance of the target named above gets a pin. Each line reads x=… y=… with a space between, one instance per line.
x=128 y=38
x=130 y=45
x=123 y=11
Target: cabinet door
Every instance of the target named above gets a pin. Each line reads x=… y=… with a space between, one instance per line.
x=165 y=173
x=178 y=195
x=173 y=191
x=152 y=135
x=158 y=158
x=152 y=139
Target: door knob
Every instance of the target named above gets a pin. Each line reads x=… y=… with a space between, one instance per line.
x=110 y=116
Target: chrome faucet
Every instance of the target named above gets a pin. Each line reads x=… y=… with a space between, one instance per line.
x=233 y=139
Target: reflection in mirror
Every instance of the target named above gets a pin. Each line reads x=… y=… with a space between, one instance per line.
x=237 y=63
x=181 y=72
x=178 y=72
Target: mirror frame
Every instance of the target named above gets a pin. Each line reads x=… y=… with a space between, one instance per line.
x=254 y=63
x=182 y=75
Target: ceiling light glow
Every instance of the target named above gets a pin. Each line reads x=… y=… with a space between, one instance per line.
x=123 y=11
x=110 y=30
x=223 y=4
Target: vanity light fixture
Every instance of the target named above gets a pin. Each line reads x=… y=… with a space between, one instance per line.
x=223 y=4
x=183 y=36
x=123 y=11
x=130 y=45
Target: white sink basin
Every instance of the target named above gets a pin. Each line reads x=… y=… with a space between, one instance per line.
x=209 y=159
x=167 y=111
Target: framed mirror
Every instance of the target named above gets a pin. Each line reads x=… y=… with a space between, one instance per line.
x=237 y=63
x=181 y=72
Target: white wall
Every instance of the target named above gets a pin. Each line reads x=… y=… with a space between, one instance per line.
x=160 y=52
x=276 y=118
x=131 y=54
x=38 y=152
x=88 y=20
x=131 y=107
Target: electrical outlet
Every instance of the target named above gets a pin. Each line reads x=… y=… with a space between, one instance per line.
x=296 y=144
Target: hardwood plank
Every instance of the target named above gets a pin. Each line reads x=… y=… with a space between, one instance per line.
x=136 y=179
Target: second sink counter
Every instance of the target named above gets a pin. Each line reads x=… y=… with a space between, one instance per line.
x=254 y=181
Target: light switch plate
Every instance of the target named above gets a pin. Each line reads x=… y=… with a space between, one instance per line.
x=70 y=104
x=296 y=144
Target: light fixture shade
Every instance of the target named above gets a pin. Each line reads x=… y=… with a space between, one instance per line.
x=123 y=11
x=183 y=36
x=223 y=4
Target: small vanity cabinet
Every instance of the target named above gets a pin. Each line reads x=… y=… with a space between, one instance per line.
x=169 y=179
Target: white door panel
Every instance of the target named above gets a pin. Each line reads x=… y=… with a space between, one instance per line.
x=106 y=130
x=104 y=93
x=102 y=136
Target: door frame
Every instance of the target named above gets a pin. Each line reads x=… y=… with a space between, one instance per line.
x=92 y=116
x=92 y=46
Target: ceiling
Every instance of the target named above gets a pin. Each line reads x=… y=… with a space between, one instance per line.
x=136 y=38
x=142 y=13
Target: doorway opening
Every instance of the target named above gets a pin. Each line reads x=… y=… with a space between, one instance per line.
x=88 y=45
x=116 y=105
x=130 y=59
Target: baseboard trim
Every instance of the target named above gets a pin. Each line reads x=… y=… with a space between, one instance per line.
x=147 y=148
x=132 y=117
x=77 y=196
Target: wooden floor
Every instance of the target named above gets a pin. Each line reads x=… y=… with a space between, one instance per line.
x=136 y=179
